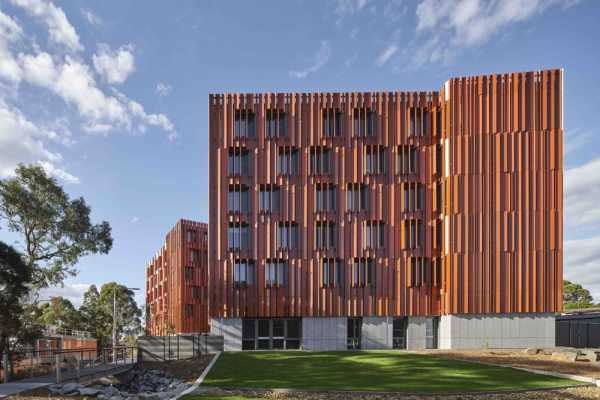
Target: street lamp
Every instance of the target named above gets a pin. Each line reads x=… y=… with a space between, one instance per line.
x=114 y=330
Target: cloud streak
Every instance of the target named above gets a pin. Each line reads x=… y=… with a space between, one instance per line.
x=320 y=59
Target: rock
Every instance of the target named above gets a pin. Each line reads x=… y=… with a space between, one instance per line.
x=570 y=356
x=88 y=391
x=531 y=351
x=70 y=388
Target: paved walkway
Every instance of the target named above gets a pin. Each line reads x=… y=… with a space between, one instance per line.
x=7 y=389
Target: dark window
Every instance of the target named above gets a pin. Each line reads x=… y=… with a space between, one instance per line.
x=238 y=198
x=374 y=235
x=363 y=272
x=276 y=272
x=325 y=235
x=244 y=124
x=188 y=273
x=269 y=198
x=414 y=197
x=243 y=272
x=438 y=159
x=332 y=122
x=414 y=234
x=194 y=255
x=364 y=122
x=407 y=161
x=239 y=236
x=375 y=160
x=354 y=333
x=419 y=122
x=275 y=123
x=238 y=161
x=420 y=271
x=332 y=272
x=191 y=236
x=399 y=329
x=357 y=197
x=320 y=160
x=196 y=292
x=287 y=161
x=287 y=235
x=439 y=122
x=431 y=332
x=325 y=197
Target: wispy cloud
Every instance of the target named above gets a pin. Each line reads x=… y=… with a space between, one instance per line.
x=386 y=54
x=446 y=26
x=135 y=219
x=582 y=263
x=347 y=8
x=576 y=139
x=320 y=59
x=163 y=89
x=91 y=18
x=73 y=292
x=582 y=191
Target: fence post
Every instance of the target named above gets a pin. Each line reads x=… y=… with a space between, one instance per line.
x=57 y=363
x=78 y=369
x=6 y=367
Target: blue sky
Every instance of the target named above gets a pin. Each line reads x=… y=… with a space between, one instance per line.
x=111 y=96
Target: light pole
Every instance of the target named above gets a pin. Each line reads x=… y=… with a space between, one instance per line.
x=114 y=330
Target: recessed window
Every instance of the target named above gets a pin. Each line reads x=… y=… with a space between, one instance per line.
x=191 y=235
x=325 y=197
x=287 y=161
x=364 y=122
x=325 y=235
x=357 y=197
x=414 y=197
x=420 y=271
x=374 y=235
x=363 y=272
x=320 y=160
x=243 y=272
x=188 y=273
x=332 y=272
x=238 y=198
x=194 y=255
x=244 y=124
x=332 y=122
x=419 y=122
x=275 y=123
x=269 y=198
x=196 y=292
x=276 y=272
x=414 y=234
x=238 y=161
x=375 y=160
x=238 y=236
x=407 y=160
x=287 y=235
x=189 y=310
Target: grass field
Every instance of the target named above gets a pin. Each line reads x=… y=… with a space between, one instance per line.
x=368 y=371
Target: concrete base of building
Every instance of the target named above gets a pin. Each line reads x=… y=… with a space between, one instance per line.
x=507 y=331
x=454 y=332
x=230 y=329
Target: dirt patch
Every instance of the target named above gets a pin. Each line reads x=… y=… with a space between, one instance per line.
x=185 y=370
x=517 y=358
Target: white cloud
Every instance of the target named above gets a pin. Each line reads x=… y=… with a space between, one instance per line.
x=135 y=219
x=346 y=8
x=386 y=54
x=321 y=58
x=576 y=139
x=163 y=89
x=114 y=66
x=10 y=32
x=73 y=292
x=60 y=29
x=467 y=23
x=91 y=18
x=21 y=142
x=582 y=191
x=582 y=263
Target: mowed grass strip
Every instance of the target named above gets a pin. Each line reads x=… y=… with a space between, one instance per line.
x=382 y=371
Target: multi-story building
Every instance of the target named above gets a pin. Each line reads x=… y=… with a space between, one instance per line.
x=177 y=282
x=388 y=219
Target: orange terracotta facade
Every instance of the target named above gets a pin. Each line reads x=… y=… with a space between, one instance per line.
x=177 y=282
x=453 y=199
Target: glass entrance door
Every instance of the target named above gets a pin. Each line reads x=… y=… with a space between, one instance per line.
x=399 y=332
x=354 y=333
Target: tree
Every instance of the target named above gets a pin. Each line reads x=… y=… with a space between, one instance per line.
x=97 y=312
x=15 y=327
x=61 y=313
x=95 y=317
x=56 y=230
x=576 y=296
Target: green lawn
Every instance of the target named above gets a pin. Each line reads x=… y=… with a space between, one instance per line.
x=195 y=397
x=368 y=371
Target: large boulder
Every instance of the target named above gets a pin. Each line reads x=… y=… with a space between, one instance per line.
x=570 y=356
x=70 y=388
x=88 y=391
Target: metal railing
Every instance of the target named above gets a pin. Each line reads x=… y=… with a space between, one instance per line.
x=58 y=365
x=55 y=331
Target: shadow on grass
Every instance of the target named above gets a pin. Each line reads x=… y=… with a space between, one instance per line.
x=369 y=371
